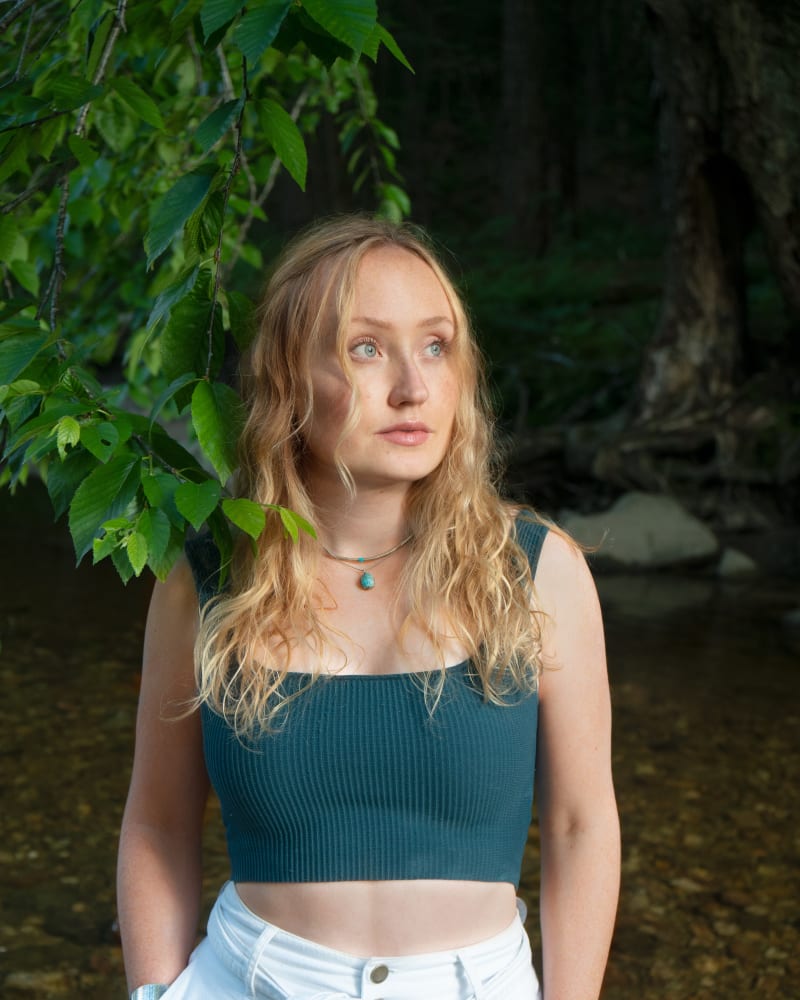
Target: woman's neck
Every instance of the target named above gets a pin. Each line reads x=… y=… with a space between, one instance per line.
x=366 y=525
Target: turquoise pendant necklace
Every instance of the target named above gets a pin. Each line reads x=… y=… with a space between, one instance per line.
x=366 y=580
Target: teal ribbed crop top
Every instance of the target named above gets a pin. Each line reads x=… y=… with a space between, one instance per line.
x=364 y=783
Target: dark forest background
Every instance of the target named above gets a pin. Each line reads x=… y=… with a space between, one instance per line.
x=615 y=186
x=619 y=184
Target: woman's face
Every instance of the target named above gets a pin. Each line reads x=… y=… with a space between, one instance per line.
x=399 y=340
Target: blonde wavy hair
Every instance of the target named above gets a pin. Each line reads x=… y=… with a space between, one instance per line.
x=464 y=568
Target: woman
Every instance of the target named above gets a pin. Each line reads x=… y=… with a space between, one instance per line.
x=368 y=699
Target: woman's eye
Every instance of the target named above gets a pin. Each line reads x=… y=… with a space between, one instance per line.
x=366 y=349
x=436 y=348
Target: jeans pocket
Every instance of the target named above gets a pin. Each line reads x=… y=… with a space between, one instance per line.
x=176 y=986
x=515 y=981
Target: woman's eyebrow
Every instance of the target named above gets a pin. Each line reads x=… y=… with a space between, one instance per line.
x=387 y=324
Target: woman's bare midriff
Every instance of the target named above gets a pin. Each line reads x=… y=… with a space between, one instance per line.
x=385 y=918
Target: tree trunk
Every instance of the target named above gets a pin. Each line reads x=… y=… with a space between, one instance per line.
x=728 y=81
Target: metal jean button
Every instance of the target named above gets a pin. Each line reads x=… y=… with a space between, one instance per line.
x=379 y=973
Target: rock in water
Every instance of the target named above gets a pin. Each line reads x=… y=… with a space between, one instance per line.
x=644 y=531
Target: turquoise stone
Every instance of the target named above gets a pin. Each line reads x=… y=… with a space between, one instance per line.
x=367 y=581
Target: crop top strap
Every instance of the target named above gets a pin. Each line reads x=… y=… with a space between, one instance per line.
x=204 y=560
x=530 y=536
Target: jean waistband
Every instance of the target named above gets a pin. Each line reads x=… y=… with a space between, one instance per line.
x=239 y=935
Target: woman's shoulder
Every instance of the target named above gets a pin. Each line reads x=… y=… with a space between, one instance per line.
x=552 y=552
x=564 y=583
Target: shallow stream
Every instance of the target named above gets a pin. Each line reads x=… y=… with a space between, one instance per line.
x=705 y=683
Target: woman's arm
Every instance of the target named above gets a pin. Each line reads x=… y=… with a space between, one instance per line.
x=159 y=872
x=579 y=825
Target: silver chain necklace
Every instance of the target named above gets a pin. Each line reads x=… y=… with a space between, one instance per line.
x=366 y=580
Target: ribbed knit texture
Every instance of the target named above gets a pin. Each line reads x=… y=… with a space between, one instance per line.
x=364 y=782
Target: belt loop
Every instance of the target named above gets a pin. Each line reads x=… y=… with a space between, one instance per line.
x=473 y=975
x=259 y=948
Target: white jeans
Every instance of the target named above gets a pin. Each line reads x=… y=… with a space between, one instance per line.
x=245 y=958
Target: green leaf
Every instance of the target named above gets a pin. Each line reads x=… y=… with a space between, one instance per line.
x=155 y=527
x=217 y=124
x=241 y=315
x=380 y=35
x=122 y=564
x=172 y=294
x=68 y=434
x=153 y=488
x=395 y=203
x=100 y=439
x=285 y=138
x=251 y=255
x=14 y=324
x=181 y=17
x=16 y=353
x=49 y=134
x=350 y=21
x=184 y=342
x=103 y=547
x=160 y=488
x=289 y=523
x=63 y=479
x=105 y=493
x=116 y=525
x=26 y=274
x=175 y=386
x=203 y=228
x=70 y=92
x=245 y=514
x=22 y=387
x=223 y=539
x=167 y=451
x=15 y=157
x=44 y=422
x=82 y=150
x=122 y=424
x=258 y=27
x=197 y=500
x=301 y=27
x=162 y=564
x=10 y=320
x=293 y=523
x=216 y=14
x=98 y=42
x=216 y=418
x=171 y=211
x=136 y=548
x=139 y=102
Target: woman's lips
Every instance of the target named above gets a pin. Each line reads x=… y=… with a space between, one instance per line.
x=408 y=434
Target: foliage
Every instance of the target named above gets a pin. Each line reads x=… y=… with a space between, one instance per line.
x=158 y=127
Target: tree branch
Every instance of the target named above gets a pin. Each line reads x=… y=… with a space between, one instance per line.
x=58 y=273
x=225 y=72
x=24 y=47
x=108 y=48
x=47 y=180
x=269 y=184
x=16 y=11
x=234 y=169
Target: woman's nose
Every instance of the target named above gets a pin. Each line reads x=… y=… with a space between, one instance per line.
x=408 y=385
